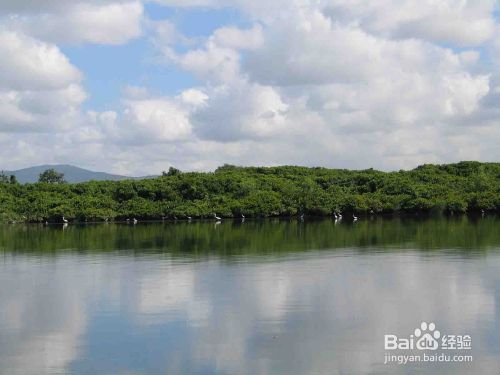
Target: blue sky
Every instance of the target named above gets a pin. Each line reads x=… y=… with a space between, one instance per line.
x=109 y=69
x=135 y=86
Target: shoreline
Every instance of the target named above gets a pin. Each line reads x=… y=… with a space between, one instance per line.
x=233 y=219
x=236 y=192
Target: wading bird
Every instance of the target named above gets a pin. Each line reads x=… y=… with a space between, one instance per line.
x=65 y=221
x=217 y=217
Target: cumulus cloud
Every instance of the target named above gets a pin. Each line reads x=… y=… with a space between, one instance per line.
x=312 y=77
x=113 y=23
x=212 y=62
x=36 y=6
x=28 y=63
x=146 y=120
x=389 y=84
x=39 y=88
x=234 y=37
x=463 y=23
x=237 y=111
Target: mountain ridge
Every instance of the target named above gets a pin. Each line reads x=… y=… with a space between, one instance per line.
x=72 y=174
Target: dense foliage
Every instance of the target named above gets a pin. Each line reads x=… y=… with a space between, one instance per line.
x=260 y=191
x=51 y=176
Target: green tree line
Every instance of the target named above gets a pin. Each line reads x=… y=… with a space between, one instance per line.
x=233 y=191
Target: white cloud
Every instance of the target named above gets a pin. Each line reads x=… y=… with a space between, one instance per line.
x=212 y=62
x=28 y=63
x=360 y=84
x=463 y=23
x=389 y=84
x=190 y=3
x=39 y=88
x=37 y=6
x=157 y=119
x=233 y=37
x=146 y=120
x=114 y=23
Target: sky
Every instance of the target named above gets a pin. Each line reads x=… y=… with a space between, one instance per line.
x=134 y=87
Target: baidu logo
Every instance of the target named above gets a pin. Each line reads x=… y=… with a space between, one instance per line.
x=427 y=344
x=427 y=336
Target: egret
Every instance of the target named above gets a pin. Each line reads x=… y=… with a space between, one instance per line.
x=134 y=220
x=217 y=217
x=65 y=221
x=242 y=216
x=354 y=218
x=189 y=218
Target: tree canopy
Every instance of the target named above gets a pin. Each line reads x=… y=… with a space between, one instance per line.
x=51 y=176
x=231 y=191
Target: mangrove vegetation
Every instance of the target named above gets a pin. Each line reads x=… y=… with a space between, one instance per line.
x=233 y=191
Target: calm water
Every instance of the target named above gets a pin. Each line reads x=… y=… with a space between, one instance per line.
x=259 y=297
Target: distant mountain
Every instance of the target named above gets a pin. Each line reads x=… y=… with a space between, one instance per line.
x=71 y=174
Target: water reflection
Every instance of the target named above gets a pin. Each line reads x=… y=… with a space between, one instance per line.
x=192 y=239
x=259 y=297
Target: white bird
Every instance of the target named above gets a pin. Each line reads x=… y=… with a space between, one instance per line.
x=189 y=218
x=354 y=218
x=65 y=221
x=134 y=220
x=217 y=217
x=242 y=216
x=302 y=217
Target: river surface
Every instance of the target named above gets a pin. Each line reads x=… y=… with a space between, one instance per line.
x=253 y=297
